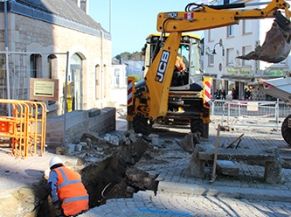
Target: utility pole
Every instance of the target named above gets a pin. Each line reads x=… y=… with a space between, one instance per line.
x=110 y=16
x=7 y=54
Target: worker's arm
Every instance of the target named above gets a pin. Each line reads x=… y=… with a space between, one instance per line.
x=53 y=178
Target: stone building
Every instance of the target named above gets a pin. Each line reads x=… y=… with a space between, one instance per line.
x=52 y=39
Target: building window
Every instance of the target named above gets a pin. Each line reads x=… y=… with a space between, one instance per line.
x=35 y=65
x=52 y=66
x=230 y=31
x=104 y=78
x=117 y=78
x=210 y=60
x=246 y=50
x=97 y=82
x=229 y=56
x=210 y=39
x=246 y=27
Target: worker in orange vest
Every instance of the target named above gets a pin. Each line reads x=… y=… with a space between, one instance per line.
x=67 y=190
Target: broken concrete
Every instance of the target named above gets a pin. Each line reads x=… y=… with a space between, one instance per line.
x=115 y=177
x=227 y=167
x=188 y=142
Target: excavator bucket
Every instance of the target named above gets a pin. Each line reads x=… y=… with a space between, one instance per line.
x=277 y=45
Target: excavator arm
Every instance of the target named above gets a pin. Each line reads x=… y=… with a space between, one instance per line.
x=208 y=17
x=159 y=75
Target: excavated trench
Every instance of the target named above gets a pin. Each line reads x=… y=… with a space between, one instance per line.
x=113 y=177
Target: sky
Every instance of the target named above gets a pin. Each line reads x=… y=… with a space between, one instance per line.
x=131 y=20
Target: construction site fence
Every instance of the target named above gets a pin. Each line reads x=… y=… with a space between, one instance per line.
x=251 y=113
x=25 y=129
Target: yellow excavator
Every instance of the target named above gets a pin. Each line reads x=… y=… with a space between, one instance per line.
x=148 y=100
x=185 y=103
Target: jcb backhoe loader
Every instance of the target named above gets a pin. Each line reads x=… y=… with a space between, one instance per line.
x=149 y=99
x=185 y=103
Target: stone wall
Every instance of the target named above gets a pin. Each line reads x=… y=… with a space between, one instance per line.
x=78 y=123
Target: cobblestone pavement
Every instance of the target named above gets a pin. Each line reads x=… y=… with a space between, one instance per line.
x=146 y=204
x=169 y=161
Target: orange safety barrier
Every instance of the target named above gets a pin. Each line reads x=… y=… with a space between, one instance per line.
x=26 y=128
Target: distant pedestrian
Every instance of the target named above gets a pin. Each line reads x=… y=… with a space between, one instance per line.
x=219 y=94
x=223 y=94
x=68 y=194
x=247 y=93
x=234 y=93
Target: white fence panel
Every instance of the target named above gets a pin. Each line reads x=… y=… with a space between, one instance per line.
x=251 y=113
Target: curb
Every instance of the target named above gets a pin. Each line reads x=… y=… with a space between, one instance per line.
x=224 y=191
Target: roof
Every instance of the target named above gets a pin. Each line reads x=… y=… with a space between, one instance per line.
x=60 y=12
x=63 y=8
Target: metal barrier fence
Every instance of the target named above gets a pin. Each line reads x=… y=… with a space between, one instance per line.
x=25 y=129
x=251 y=113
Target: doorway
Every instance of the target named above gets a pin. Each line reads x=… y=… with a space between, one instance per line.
x=75 y=83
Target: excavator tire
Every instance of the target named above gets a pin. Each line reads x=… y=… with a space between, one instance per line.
x=197 y=126
x=142 y=125
x=286 y=130
x=205 y=131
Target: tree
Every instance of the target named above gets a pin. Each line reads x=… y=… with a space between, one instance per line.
x=136 y=56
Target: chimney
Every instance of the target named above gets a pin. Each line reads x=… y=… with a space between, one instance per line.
x=83 y=4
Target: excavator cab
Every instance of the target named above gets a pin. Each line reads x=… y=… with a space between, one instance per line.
x=187 y=77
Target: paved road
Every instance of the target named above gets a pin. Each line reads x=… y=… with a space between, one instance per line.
x=146 y=204
x=169 y=161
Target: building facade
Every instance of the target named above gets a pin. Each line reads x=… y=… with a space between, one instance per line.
x=223 y=45
x=58 y=40
x=121 y=70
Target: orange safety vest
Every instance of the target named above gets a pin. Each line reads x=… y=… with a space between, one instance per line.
x=71 y=191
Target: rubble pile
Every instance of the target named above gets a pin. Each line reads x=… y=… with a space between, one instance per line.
x=107 y=169
x=115 y=176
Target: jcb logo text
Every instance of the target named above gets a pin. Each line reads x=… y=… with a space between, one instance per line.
x=162 y=66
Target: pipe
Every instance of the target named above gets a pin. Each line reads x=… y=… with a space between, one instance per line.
x=102 y=86
x=65 y=97
x=6 y=23
x=7 y=54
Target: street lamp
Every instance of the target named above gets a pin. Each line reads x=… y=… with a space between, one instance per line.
x=221 y=45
